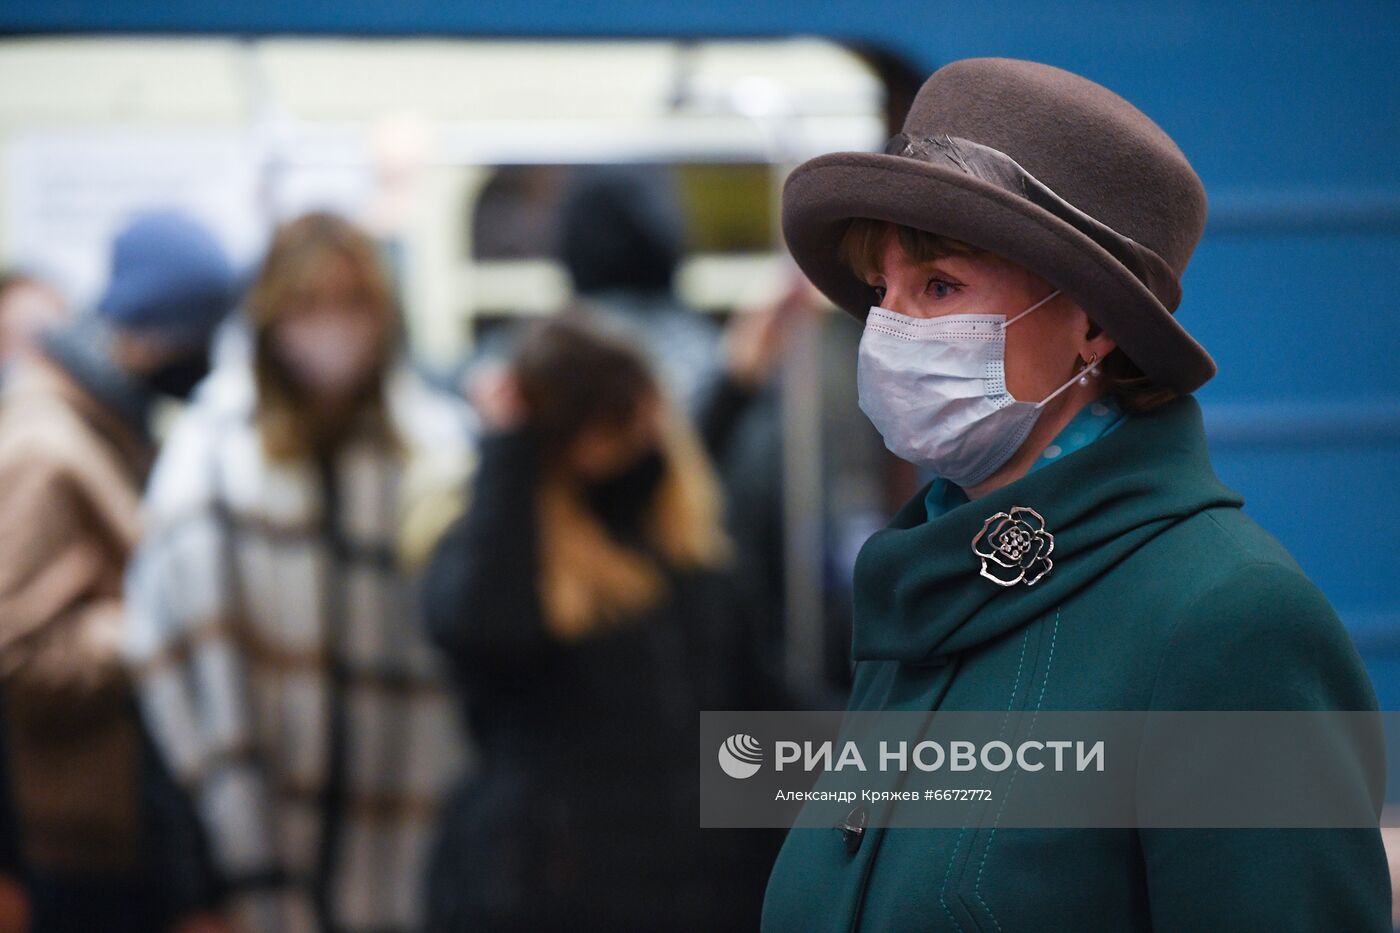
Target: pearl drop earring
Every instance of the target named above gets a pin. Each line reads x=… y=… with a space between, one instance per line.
x=1089 y=369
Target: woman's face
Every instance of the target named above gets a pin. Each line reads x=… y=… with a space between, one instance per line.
x=601 y=451
x=331 y=341
x=1040 y=348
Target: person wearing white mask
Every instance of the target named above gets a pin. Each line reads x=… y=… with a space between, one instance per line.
x=273 y=599
x=1016 y=254
x=933 y=332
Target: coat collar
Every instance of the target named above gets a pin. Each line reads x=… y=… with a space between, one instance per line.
x=41 y=378
x=922 y=592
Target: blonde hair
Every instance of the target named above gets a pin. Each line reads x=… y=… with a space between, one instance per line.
x=573 y=375
x=286 y=424
x=589 y=581
x=860 y=250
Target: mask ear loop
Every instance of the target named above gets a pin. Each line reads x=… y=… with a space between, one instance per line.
x=1082 y=377
x=1042 y=301
x=1090 y=368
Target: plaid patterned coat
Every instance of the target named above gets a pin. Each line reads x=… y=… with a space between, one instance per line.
x=274 y=635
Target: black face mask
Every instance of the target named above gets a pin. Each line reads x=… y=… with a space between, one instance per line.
x=621 y=500
x=179 y=377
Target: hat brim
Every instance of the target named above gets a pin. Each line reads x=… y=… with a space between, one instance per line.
x=823 y=194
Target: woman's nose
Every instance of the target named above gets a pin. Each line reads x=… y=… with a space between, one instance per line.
x=898 y=300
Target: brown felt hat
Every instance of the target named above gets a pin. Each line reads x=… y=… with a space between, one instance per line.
x=1037 y=165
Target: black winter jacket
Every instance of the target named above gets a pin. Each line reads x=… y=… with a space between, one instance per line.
x=583 y=812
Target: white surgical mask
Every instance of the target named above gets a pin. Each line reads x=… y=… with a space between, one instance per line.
x=935 y=389
x=329 y=353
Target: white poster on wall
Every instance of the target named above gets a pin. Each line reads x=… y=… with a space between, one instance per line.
x=67 y=194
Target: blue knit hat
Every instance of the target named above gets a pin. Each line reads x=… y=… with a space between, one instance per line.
x=169 y=275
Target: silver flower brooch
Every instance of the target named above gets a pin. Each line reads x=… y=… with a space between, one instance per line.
x=1014 y=547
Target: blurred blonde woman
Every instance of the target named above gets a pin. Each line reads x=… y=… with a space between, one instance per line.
x=273 y=622
x=586 y=603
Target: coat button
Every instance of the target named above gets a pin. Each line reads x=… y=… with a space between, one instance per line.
x=853 y=829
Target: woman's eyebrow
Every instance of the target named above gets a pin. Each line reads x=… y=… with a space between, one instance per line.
x=933 y=265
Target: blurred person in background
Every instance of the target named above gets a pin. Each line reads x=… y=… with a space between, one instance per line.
x=621 y=237
x=102 y=837
x=274 y=628
x=622 y=240
x=29 y=306
x=587 y=606
x=14 y=904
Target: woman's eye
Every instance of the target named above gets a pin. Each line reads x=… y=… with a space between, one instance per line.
x=941 y=288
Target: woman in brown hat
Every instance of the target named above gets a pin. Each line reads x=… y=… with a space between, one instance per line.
x=1016 y=255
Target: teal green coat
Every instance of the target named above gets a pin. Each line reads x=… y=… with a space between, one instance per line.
x=1160 y=594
